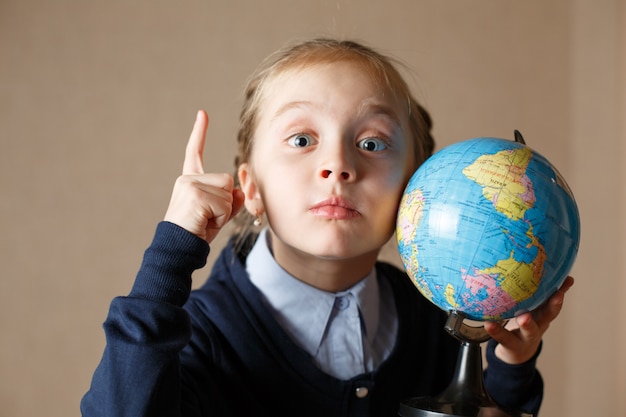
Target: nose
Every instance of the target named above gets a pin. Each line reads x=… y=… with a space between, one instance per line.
x=337 y=158
x=327 y=173
x=338 y=166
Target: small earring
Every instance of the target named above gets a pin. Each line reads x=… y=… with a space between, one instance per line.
x=258 y=220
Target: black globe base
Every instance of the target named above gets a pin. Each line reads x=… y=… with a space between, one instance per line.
x=465 y=396
x=419 y=409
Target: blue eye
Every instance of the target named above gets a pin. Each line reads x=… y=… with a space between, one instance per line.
x=300 y=141
x=372 y=144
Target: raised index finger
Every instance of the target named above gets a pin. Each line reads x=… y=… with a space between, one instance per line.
x=194 y=163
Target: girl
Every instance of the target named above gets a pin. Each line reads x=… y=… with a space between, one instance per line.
x=297 y=318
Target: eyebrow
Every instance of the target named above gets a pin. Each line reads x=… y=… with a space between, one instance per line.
x=292 y=105
x=375 y=107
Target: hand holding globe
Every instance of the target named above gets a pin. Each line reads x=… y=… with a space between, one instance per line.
x=520 y=342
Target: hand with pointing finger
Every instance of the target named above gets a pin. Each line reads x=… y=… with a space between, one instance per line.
x=202 y=203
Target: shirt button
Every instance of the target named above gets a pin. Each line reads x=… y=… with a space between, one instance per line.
x=342 y=303
x=361 y=392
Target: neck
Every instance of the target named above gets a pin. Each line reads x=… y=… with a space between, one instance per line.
x=326 y=274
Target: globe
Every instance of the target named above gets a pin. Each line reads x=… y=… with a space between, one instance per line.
x=489 y=228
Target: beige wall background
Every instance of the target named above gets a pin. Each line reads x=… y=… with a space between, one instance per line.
x=97 y=100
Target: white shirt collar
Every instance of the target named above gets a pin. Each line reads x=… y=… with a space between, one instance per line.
x=301 y=309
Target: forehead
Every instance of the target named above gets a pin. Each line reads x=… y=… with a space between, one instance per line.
x=347 y=82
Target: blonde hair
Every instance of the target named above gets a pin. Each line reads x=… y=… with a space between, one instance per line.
x=318 y=51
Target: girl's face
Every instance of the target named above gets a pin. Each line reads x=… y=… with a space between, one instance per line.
x=331 y=157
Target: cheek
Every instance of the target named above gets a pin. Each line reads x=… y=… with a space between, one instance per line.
x=393 y=185
x=385 y=195
x=398 y=177
x=277 y=190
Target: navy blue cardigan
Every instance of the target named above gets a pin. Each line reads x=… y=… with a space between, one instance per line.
x=218 y=351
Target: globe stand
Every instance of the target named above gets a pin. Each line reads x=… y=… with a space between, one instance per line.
x=465 y=396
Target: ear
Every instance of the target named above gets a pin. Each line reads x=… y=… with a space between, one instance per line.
x=249 y=186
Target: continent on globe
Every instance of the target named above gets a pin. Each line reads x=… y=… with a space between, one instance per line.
x=504 y=181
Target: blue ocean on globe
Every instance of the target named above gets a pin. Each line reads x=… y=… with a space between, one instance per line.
x=489 y=228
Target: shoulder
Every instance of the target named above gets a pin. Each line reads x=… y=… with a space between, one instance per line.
x=227 y=292
x=225 y=276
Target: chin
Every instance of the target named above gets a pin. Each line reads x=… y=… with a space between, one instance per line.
x=338 y=243
x=341 y=251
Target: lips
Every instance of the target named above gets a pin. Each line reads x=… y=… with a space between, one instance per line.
x=335 y=208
